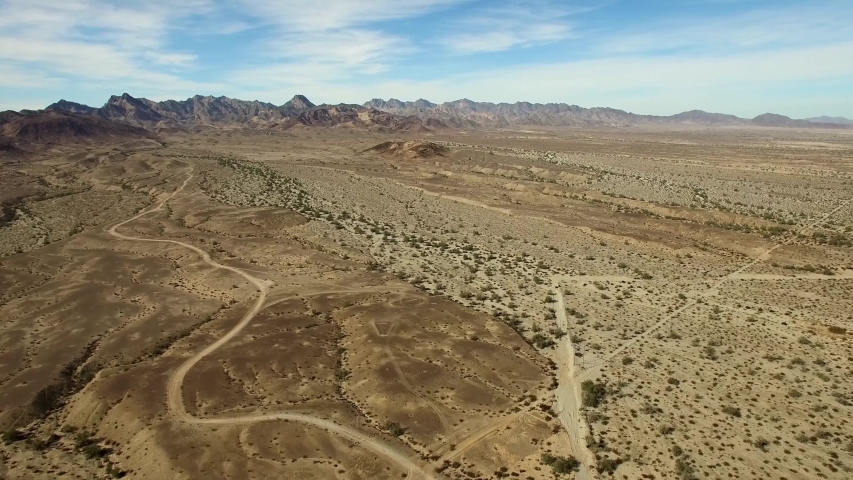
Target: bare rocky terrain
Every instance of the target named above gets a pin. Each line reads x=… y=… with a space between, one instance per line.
x=331 y=301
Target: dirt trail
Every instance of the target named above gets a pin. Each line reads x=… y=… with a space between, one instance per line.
x=568 y=394
x=445 y=424
x=593 y=369
x=481 y=434
x=174 y=394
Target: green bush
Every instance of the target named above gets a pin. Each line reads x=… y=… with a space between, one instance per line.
x=13 y=435
x=593 y=393
x=561 y=464
x=541 y=341
x=94 y=450
x=608 y=465
x=684 y=470
x=395 y=428
x=730 y=410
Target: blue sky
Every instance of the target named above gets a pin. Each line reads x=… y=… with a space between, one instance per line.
x=744 y=57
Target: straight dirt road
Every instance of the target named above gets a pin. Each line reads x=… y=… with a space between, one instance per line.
x=568 y=394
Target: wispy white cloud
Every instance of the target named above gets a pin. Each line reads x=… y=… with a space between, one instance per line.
x=517 y=25
x=345 y=48
x=319 y=15
x=94 y=41
x=321 y=40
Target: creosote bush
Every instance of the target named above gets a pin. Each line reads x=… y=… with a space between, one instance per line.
x=561 y=464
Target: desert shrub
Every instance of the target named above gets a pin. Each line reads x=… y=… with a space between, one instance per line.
x=730 y=410
x=559 y=464
x=82 y=439
x=12 y=436
x=541 y=341
x=684 y=470
x=608 y=465
x=395 y=428
x=557 y=333
x=837 y=330
x=593 y=393
x=93 y=450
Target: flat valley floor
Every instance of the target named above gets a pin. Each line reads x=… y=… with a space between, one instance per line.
x=531 y=304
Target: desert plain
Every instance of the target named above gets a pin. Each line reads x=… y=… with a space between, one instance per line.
x=538 y=303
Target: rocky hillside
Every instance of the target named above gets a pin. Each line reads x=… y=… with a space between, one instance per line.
x=199 y=110
x=61 y=128
x=465 y=113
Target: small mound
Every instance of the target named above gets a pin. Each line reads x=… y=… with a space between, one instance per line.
x=410 y=149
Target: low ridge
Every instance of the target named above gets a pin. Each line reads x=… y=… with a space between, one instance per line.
x=411 y=149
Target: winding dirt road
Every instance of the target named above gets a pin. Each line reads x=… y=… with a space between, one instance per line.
x=174 y=394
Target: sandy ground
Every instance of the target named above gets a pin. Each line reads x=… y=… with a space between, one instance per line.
x=654 y=304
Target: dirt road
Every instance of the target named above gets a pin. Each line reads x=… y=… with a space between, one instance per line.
x=568 y=395
x=593 y=369
x=174 y=394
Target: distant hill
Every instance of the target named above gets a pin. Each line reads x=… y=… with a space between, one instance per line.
x=836 y=120
x=411 y=150
x=700 y=117
x=774 y=120
x=465 y=113
x=62 y=128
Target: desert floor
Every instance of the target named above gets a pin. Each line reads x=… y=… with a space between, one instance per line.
x=536 y=304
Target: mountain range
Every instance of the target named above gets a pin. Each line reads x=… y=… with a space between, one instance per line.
x=389 y=116
x=469 y=114
x=200 y=110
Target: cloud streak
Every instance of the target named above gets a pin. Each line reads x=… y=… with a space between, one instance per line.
x=519 y=25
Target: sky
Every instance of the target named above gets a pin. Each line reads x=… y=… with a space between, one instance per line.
x=743 y=57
